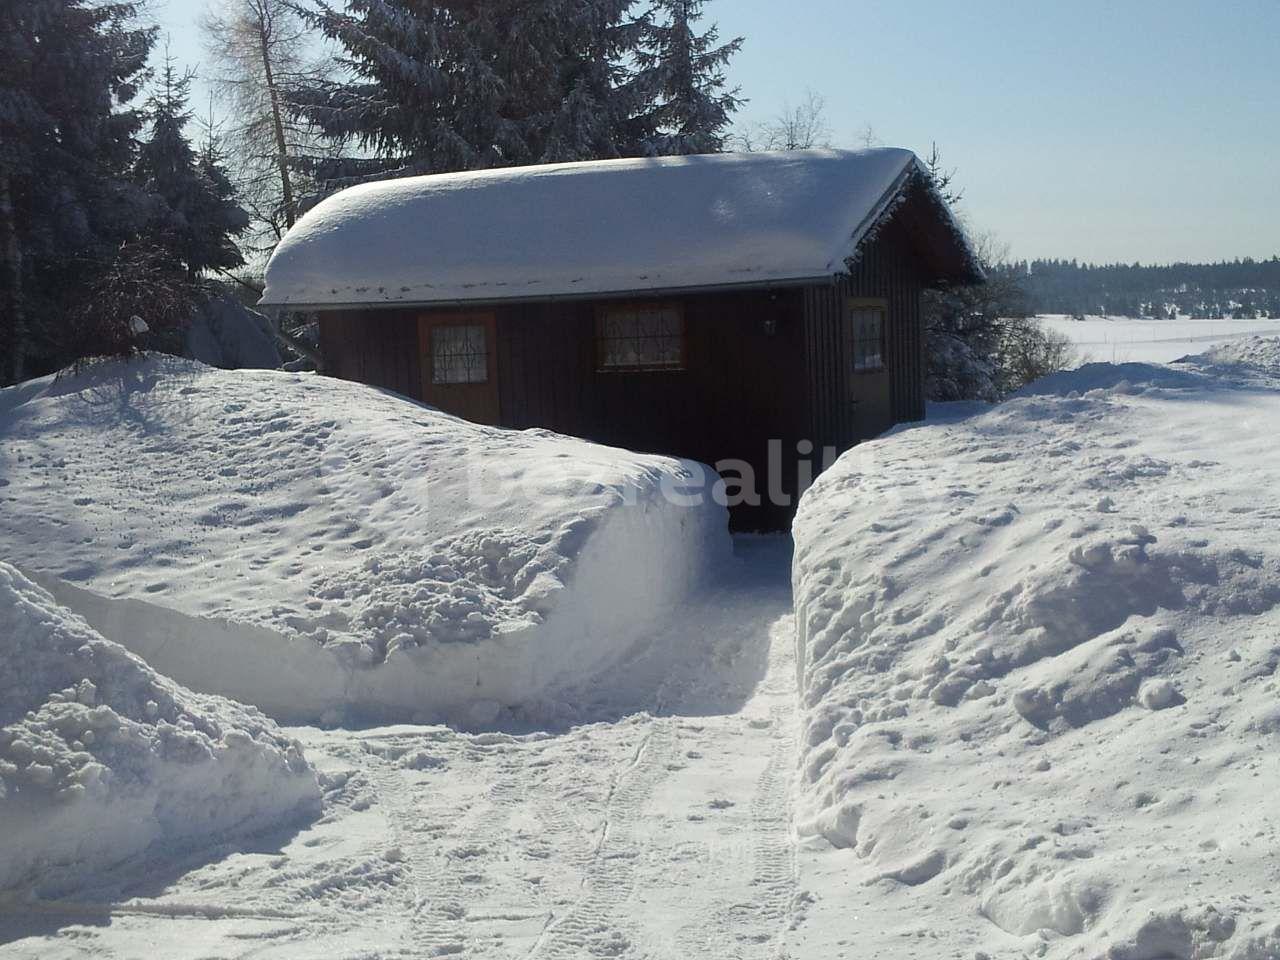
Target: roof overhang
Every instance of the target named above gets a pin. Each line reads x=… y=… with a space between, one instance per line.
x=611 y=229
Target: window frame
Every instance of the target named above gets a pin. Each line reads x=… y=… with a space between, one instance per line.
x=853 y=304
x=601 y=341
x=487 y=353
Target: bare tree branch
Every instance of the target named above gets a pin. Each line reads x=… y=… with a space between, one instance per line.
x=802 y=127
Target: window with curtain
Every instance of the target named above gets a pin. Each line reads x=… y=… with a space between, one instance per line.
x=866 y=333
x=640 y=337
x=459 y=354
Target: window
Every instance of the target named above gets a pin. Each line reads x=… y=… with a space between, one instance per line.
x=459 y=354
x=640 y=337
x=866 y=333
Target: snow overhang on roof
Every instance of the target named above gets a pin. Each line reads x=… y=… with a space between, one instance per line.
x=605 y=227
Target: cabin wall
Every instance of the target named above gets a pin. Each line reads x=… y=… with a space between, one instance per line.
x=848 y=406
x=739 y=390
x=765 y=371
x=377 y=347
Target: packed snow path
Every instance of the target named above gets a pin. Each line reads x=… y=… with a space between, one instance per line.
x=657 y=826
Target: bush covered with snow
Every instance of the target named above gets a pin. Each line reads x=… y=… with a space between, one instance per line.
x=318 y=547
x=225 y=333
x=1038 y=667
x=102 y=758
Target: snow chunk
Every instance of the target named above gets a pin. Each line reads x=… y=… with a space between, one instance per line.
x=323 y=549
x=1261 y=353
x=1159 y=694
x=102 y=758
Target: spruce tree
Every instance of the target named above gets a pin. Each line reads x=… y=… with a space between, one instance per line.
x=423 y=95
x=598 y=105
x=436 y=87
x=221 y=210
x=69 y=71
x=683 y=72
x=193 y=216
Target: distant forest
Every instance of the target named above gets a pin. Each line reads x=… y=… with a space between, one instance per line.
x=1242 y=289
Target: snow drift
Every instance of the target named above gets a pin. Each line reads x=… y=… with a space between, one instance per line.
x=101 y=758
x=317 y=547
x=1038 y=662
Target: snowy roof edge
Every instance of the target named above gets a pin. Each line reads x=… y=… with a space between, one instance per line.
x=895 y=196
x=332 y=293
x=612 y=293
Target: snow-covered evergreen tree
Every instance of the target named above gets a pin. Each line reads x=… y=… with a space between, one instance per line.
x=193 y=214
x=224 y=213
x=69 y=70
x=434 y=87
x=599 y=107
x=683 y=72
x=422 y=95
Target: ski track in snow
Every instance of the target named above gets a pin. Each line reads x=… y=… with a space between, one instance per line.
x=657 y=827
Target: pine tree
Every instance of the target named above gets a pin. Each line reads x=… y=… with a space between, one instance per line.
x=69 y=70
x=683 y=73
x=193 y=215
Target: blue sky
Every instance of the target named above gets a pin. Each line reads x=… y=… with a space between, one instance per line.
x=1121 y=130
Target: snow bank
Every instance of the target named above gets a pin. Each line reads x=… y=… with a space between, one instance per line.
x=101 y=758
x=1038 y=662
x=654 y=223
x=1261 y=355
x=318 y=547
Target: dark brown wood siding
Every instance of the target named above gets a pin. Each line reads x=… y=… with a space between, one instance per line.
x=886 y=270
x=739 y=392
x=764 y=369
x=378 y=347
x=739 y=389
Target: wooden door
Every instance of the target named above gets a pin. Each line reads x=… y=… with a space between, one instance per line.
x=459 y=364
x=866 y=324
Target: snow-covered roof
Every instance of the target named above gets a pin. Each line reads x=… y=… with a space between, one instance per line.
x=614 y=226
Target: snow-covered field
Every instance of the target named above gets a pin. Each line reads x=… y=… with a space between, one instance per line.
x=321 y=548
x=1133 y=340
x=1038 y=665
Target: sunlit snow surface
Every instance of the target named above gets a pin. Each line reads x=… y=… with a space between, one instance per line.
x=655 y=824
x=1038 y=655
x=104 y=761
x=655 y=223
x=1039 y=674
x=325 y=549
x=1132 y=340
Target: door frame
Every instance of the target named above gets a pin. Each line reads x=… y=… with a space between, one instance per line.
x=478 y=402
x=868 y=390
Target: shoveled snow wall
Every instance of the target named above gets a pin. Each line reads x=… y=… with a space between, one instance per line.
x=102 y=759
x=1038 y=652
x=327 y=550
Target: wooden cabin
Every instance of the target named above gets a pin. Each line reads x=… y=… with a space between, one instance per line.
x=762 y=308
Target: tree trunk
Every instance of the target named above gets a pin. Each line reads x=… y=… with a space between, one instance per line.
x=286 y=186
x=13 y=327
